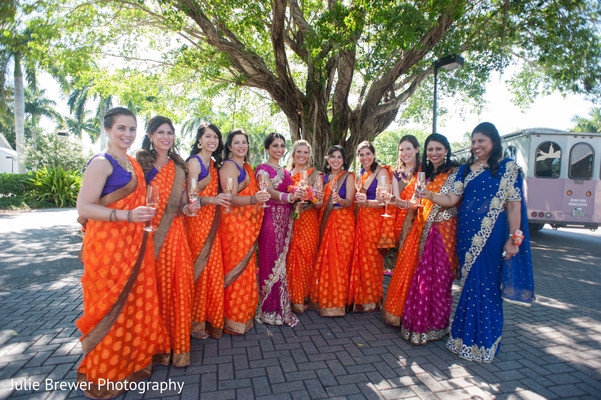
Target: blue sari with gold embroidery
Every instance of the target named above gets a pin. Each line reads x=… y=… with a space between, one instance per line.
x=486 y=279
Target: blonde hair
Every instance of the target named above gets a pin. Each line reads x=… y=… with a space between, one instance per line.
x=296 y=145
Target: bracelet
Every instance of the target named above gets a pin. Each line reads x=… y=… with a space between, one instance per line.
x=252 y=200
x=280 y=196
x=129 y=217
x=517 y=236
x=200 y=200
x=406 y=205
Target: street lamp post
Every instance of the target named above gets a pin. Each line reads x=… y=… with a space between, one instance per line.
x=449 y=62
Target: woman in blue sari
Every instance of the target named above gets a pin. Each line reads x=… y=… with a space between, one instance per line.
x=493 y=245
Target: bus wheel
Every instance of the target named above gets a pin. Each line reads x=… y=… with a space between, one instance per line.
x=534 y=227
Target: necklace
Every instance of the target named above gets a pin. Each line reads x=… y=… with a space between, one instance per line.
x=276 y=166
x=483 y=166
x=122 y=161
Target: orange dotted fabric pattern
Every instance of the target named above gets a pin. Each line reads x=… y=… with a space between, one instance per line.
x=302 y=254
x=366 y=277
x=408 y=258
x=110 y=251
x=406 y=194
x=239 y=230
x=207 y=310
x=329 y=290
x=175 y=273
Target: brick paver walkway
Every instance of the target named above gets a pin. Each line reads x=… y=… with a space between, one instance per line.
x=551 y=350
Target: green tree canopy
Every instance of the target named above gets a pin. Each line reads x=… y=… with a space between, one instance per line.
x=591 y=124
x=339 y=71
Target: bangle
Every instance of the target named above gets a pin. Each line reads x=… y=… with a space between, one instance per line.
x=280 y=196
x=252 y=200
x=129 y=217
x=112 y=215
x=200 y=200
x=517 y=236
x=406 y=205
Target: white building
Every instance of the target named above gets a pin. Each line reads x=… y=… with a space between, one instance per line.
x=8 y=157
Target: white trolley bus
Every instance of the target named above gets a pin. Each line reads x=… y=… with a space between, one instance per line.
x=562 y=173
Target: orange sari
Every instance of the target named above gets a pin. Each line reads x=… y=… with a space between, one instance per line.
x=408 y=258
x=406 y=194
x=137 y=338
x=302 y=253
x=175 y=274
x=366 y=277
x=207 y=311
x=330 y=283
x=239 y=230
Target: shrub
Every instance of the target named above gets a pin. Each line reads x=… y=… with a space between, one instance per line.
x=57 y=186
x=15 y=184
x=55 y=151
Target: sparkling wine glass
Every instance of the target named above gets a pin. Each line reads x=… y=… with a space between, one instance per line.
x=386 y=191
x=193 y=193
x=152 y=201
x=334 y=189
x=264 y=185
x=358 y=185
x=382 y=183
x=229 y=188
x=421 y=183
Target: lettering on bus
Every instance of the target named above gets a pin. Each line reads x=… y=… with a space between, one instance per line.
x=577 y=202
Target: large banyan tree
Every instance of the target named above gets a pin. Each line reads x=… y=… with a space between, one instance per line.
x=340 y=71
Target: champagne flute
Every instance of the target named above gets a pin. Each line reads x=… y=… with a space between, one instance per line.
x=382 y=183
x=358 y=186
x=193 y=193
x=229 y=188
x=152 y=201
x=386 y=191
x=303 y=182
x=264 y=185
x=334 y=189
x=421 y=183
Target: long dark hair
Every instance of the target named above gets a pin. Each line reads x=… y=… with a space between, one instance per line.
x=227 y=149
x=366 y=144
x=400 y=164
x=147 y=155
x=496 y=154
x=427 y=166
x=113 y=113
x=331 y=151
x=217 y=154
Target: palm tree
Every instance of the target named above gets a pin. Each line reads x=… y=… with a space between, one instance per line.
x=39 y=106
x=592 y=124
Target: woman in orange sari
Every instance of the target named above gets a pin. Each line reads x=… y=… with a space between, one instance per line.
x=305 y=235
x=419 y=295
x=403 y=184
x=205 y=243
x=365 y=290
x=239 y=230
x=330 y=282
x=122 y=330
x=166 y=171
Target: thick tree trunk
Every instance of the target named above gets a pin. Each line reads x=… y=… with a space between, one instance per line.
x=19 y=113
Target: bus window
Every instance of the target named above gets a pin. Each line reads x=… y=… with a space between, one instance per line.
x=581 y=161
x=548 y=160
x=510 y=152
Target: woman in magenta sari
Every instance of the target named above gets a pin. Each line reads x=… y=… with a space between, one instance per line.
x=275 y=236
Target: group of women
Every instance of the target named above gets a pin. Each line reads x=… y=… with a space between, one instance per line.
x=175 y=249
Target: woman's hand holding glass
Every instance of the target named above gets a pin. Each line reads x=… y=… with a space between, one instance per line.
x=361 y=198
x=223 y=199
x=510 y=249
x=299 y=194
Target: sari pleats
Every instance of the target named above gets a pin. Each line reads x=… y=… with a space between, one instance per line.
x=207 y=309
x=175 y=273
x=399 y=217
x=138 y=338
x=408 y=259
x=330 y=284
x=239 y=231
x=301 y=255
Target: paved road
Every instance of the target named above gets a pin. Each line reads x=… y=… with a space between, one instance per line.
x=551 y=350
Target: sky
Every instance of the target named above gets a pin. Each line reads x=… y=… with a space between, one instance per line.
x=554 y=111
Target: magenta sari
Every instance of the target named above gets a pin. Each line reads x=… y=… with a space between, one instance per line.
x=274 y=240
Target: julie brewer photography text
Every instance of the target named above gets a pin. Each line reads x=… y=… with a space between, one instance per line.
x=56 y=385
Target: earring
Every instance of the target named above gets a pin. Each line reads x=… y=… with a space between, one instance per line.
x=446 y=157
x=199 y=145
x=151 y=147
x=428 y=162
